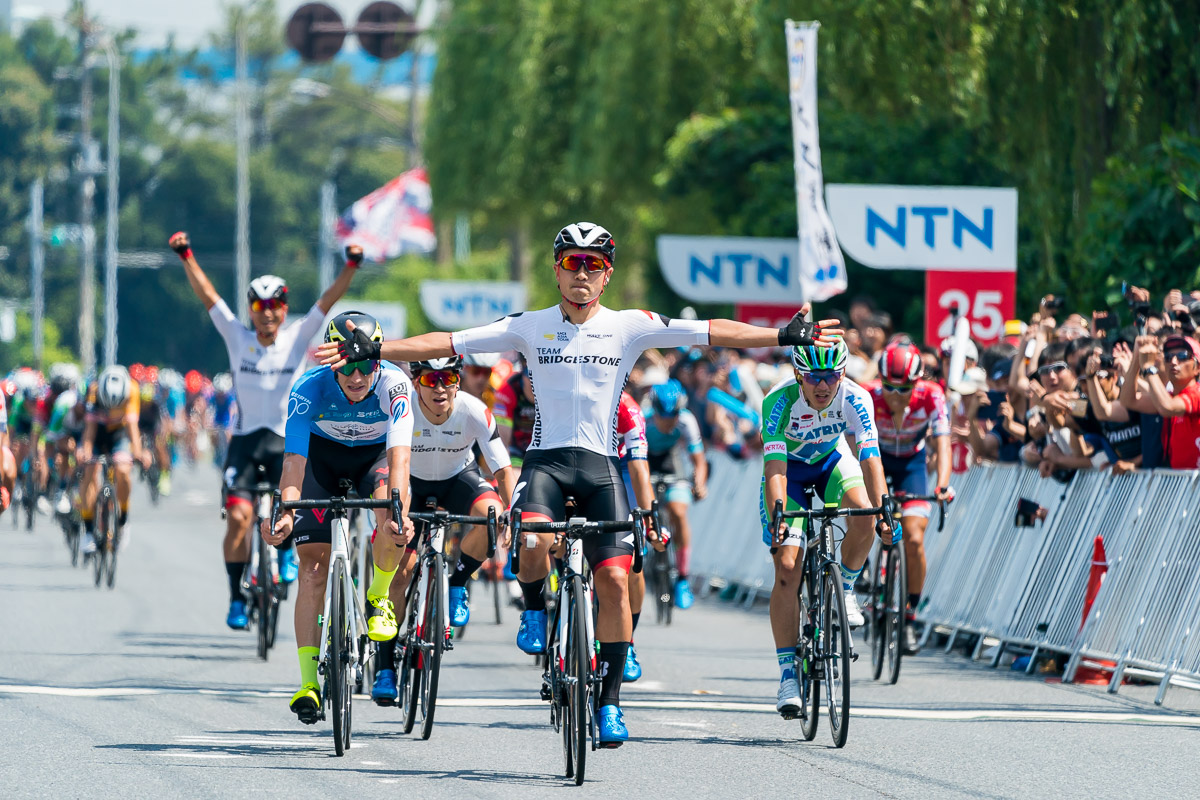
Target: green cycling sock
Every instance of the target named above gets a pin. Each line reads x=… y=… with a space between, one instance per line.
x=308 y=665
x=381 y=582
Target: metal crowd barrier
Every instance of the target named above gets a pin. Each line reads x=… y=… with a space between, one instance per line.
x=1022 y=586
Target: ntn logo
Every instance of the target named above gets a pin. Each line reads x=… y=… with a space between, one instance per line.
x=960 y=223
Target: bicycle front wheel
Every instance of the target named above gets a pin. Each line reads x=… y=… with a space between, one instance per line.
x=337 y=675
x=876 y=612
x=579 y=681
x=897 y=600
x=111 y=542
x=435 y=635
x=834 y=650
x=807 y=666
x=262 y=596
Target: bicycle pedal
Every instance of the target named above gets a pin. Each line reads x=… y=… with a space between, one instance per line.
x=790 y=714
x=546 y=693
x=449 y=643
x=854 y=655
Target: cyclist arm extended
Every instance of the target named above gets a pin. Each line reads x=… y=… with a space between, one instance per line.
x=728 y=333
x=200 y=283
x=340 y=284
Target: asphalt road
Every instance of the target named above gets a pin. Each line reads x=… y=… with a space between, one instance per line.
x=141 y=691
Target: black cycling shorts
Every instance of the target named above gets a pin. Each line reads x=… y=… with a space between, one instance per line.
x=456 y=494
x=365 y=466
x=114 y=444
x=548 y=477
x=246 y=453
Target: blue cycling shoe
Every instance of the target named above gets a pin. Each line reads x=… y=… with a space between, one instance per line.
x=460 y=609
x=289 y=566
x=683 y=595
x=383 y=692
x=613 y=732
x=531 y=636
x=237 y=618
x=633 y=670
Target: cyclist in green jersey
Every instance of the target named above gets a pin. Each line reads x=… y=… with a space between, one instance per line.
x=806 y=423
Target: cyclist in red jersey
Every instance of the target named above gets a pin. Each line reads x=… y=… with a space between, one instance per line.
x=635 y=471
x=907 y=410
x=515 y=414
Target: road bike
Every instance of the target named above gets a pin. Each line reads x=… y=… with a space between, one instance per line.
x=887 y=598
x=104 y=517
x=662 y=573
x=570 y=679
x=153 y=473
x=343 y=624
x=70 y=522
x=823 y=651
x=261 y=578
x=26 y=495
x=427 y=632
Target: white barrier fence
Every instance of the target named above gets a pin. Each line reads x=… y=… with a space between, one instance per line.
x=1023 y=586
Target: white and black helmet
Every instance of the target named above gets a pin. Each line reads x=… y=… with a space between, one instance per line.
x=268 y=287
x=452 y=363
x=489 y=360
x=113 y=387
x=585 y=236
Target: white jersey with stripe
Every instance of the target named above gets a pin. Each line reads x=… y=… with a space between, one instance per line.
x=578 y=371
x=441 y=451
x=263 y=376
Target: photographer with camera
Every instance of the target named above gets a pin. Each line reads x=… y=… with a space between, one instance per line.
x=1177 y=360
x=994 y=432
x=1122 y=427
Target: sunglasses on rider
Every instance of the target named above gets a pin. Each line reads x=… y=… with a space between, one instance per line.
x=365 y=367
x=897 y=388
x=270 y=304
x=817 y=378
x=1046 y=369
x=443 y=377
x=588 y=261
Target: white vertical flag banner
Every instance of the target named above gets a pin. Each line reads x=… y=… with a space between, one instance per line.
x=822 y=269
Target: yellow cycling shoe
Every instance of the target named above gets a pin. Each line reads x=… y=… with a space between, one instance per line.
x=381 y=624
x=306 y=703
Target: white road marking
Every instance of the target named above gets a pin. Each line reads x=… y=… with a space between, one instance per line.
x=945 y=715
x=202 y=755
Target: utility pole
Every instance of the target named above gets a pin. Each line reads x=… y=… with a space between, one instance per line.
x=37 y=266
x=325 y=239
x=113 y=186
x=87 y=192
x=242 y=122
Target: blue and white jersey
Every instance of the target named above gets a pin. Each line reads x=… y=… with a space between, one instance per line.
x=686 y=431
x=318 y=406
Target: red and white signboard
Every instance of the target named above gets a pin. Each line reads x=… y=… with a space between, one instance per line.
x=765 y=315
x=987 y=299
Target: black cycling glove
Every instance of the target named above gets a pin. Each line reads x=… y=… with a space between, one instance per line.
x=359 y=347
x=799 y=332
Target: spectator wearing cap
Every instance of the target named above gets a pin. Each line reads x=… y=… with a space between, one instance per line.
x=1179 y=402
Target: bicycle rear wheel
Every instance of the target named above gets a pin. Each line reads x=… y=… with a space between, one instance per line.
x=337 y=676
x=834 y=649
x=579 y=679
x=111 y=541
x=435 y=635
x=897 y=599
x=72 y=531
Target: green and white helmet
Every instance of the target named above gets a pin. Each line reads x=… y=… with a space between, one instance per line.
x=820 y=359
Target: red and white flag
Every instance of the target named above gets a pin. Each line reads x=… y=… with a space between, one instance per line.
x=393 y=220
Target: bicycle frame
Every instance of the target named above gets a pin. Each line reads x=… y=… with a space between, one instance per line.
x=433 y=543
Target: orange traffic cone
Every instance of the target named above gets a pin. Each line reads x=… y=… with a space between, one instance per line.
x=1095 y=676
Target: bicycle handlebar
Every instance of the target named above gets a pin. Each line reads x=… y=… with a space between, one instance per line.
x=779 y=515
x=336 y=504
x=900 y=497
x=438 y=517
x=578 y=527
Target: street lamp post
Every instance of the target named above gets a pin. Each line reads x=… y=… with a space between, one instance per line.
x=111 y=224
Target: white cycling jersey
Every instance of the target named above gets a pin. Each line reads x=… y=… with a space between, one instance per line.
x=578 y=371
x=442 y=451
x=263 y=376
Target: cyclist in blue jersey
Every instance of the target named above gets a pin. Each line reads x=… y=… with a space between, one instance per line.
x=670 y=427
x=224 y=407
x=355 y=423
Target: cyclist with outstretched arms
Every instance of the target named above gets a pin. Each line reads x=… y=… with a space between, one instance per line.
x=110 y=429
x=635 y=472
x=355 y=423
x=579 y=355
x=263 y=360
x=670 y=427
x=907 y=410
x=806 y=424
x=448 y=425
